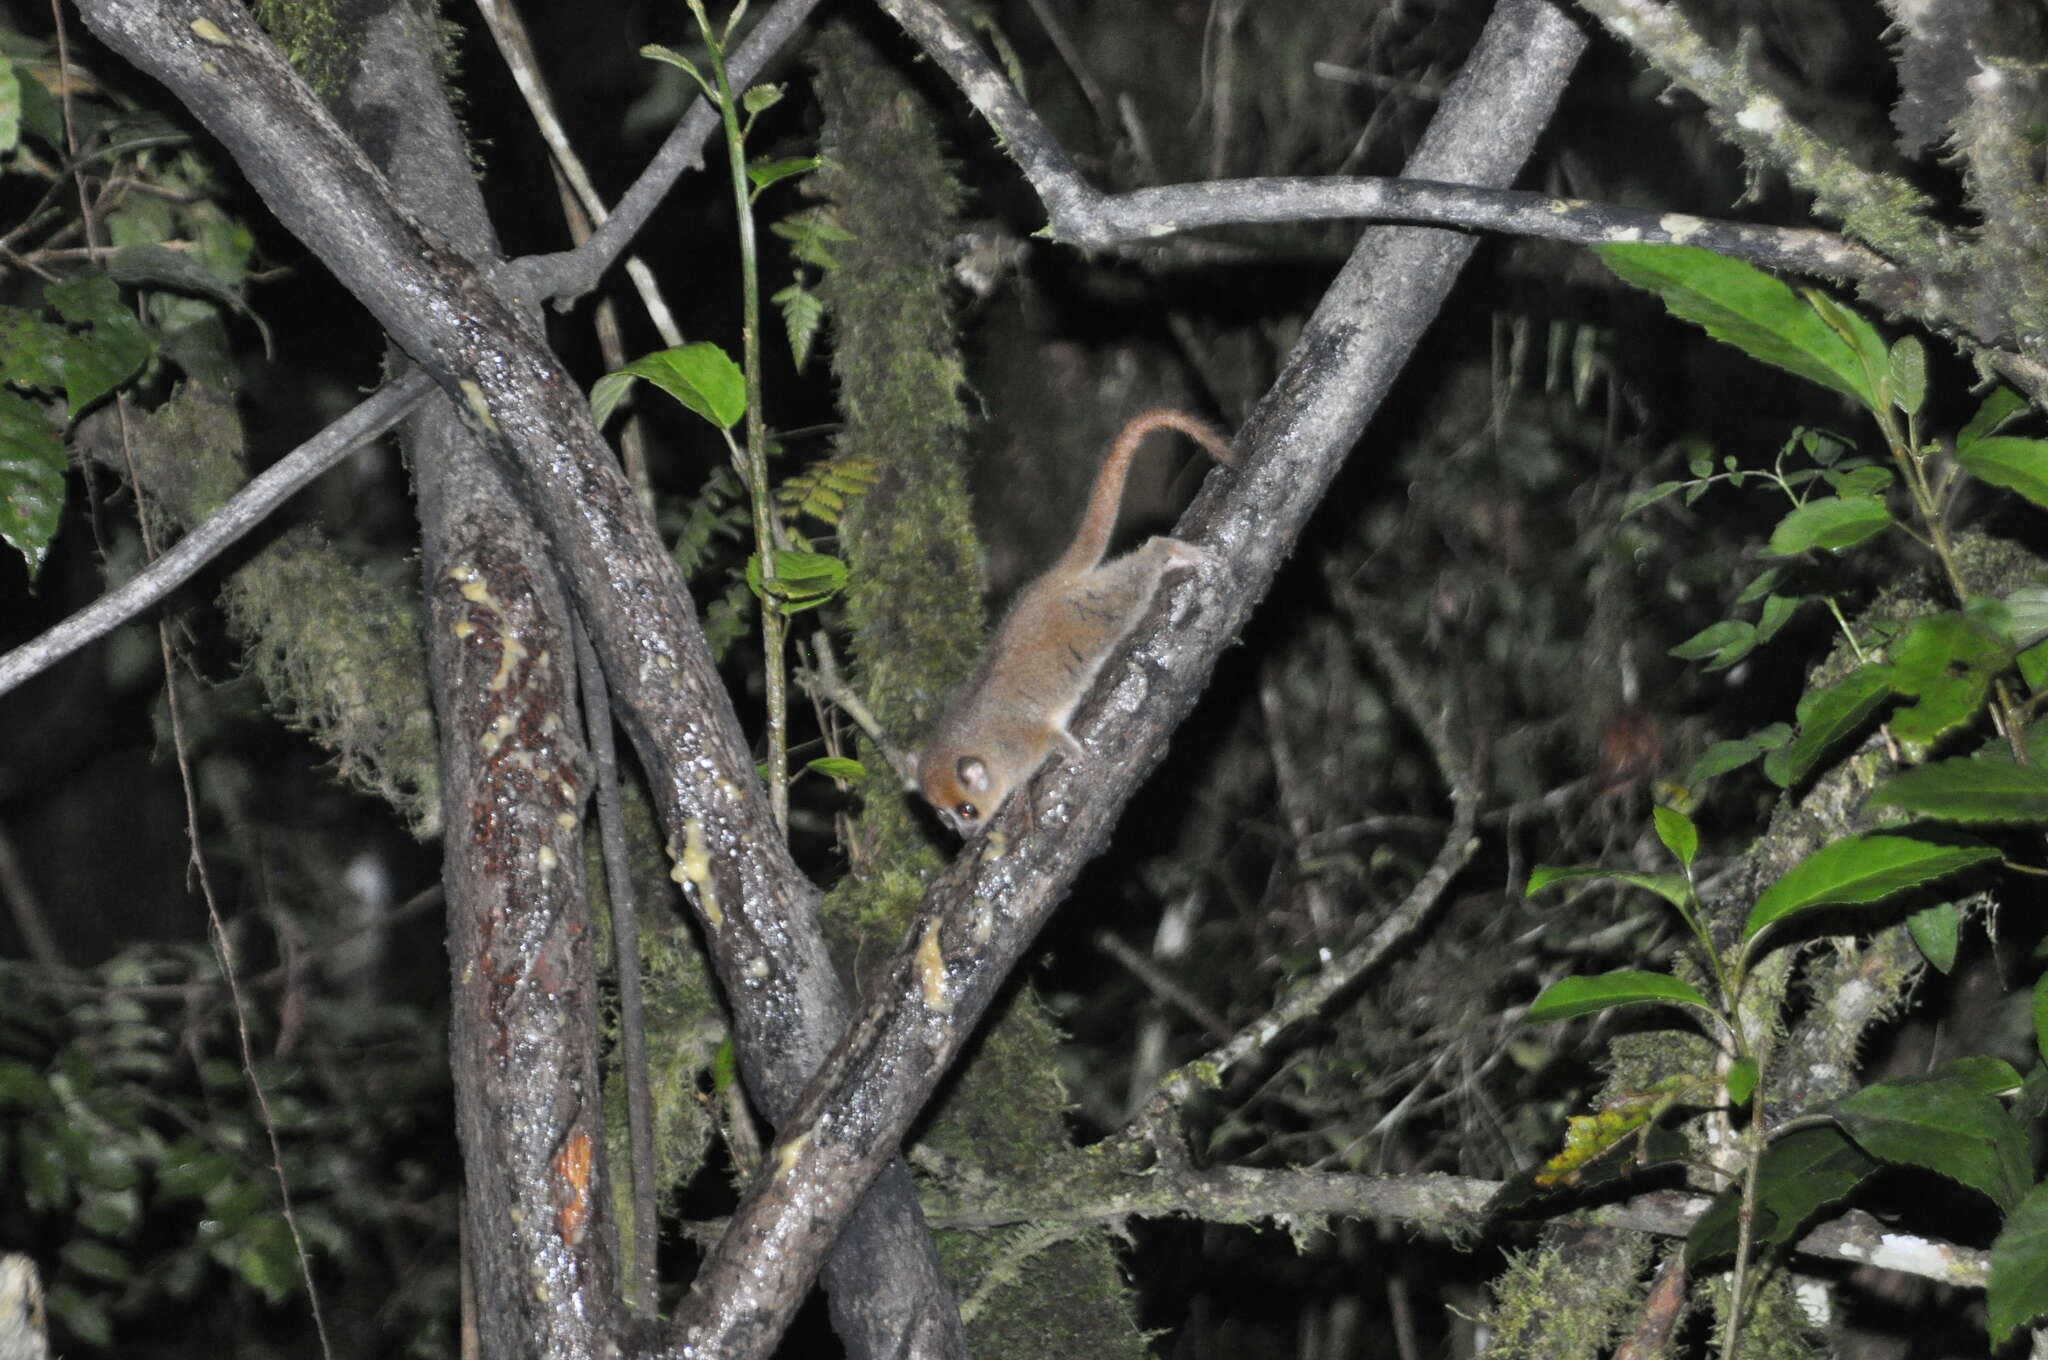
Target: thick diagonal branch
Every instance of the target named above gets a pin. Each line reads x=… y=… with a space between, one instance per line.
x=979 y=918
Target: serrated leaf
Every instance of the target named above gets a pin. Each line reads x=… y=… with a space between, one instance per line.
x=1573 y=996
x=656 y=52
x=1589 y=1161
x=1986 y=789
x=701 y=376
x=2017 y=1292
x=1741 y=1081
x=811 y=235
x=1801 y=1174
x=1671 y=887
x=761 y=98
x=1907 y=374
x=1855 y=328
x=1828 y=716
x=765 y=172
x=1744 y=307
x=838 y=767
x=1935 y=931
x=2016 y=464
x=1860 y=871
x=1727 y=642
x=1945 y=663
x=1997 y=410
x=1833 y=523
x=1677 y=832
x=1945 y=1125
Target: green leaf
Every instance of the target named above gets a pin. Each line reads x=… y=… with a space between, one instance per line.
x=700 y=376
x=1727 y=642
x=1978 y=1072
x=96 y=1259
x=2016 y=464
x=1908 y=374
x=1777 y=610
x=2027 y=615
x=1671 y=887
x=803 y=313
x=1724 y=756
x=1945 y=663
x=2041 y=1016
x=1677 y=832
x=606 y=394
x=656 y=52
x=82 y=1315
x=45 y=1179
x=1764 y=584
x=1864 y=479
x=1831 y=522
x=2017 y=1292
x=1935 y=930
x=1862 y=337
x=811 y=235
x=110 y=1213
x=1945 y=1125
x=761 y=98
x=1988 y=788
x=31 y=480
x=110 y=349
x=1827 y=717
x=1741 y=1081
x=803 y=580
x=23 y=1085
x=10 y=108
x=1744 y=307
x=1649 y=496
x=1859 y=871
x=1571 y=996
x=268 y=1260
x=765 y=172
x=1801 y=1174
x=1997 y=411
x=838 y=767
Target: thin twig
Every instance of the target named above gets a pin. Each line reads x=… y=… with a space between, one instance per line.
x=640 y=1280
x=249 y=507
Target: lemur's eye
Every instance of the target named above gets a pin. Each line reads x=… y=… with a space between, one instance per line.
x=967 y=812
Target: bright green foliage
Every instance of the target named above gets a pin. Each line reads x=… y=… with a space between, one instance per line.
x=1987 y=788
x=1860 y=871
x=2018 y=1291
x=1671 y=887
x=1834 y=523
x=1746 y=308
x=2016 y=464
x=31 y=480
x=825 y=488
x=1946 y=663
x=1936 y=931
x=1827 y=717
x=700 y=375
x=1677 y=832
x=1573 y=996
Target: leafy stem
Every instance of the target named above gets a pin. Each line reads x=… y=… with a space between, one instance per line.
x=754 y=457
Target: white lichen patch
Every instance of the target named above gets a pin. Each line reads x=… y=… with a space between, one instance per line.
x=786 y=1155
x=1682 y=226
x=463 y=628
x=1762 y=115
x=566 y=820
x=994 y=846
x=548 y=860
